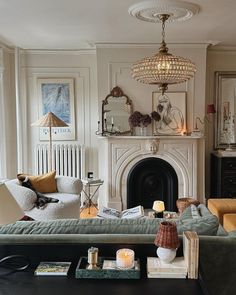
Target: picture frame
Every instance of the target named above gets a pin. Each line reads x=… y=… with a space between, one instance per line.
x=170 y=111
x=57 y=95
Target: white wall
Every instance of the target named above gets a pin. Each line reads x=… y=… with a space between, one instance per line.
x=114 y=65
x=95 y=73
x=218 y=59
x=79 y=65
x=7 y=114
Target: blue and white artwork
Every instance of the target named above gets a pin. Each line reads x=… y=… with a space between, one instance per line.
x=56 y=99
x=57 y=96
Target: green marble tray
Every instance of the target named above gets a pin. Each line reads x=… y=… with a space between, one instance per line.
x=82 y=272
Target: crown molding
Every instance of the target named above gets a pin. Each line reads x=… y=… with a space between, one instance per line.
x=151 y=45
x=59 y=51
x=222 y=49
x=7 y=48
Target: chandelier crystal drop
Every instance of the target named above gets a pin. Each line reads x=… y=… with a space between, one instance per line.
x=163 y=68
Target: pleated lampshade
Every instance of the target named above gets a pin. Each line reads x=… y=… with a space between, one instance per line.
x=49 y=120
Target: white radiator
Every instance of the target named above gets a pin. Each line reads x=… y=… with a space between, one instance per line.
x=67 y=159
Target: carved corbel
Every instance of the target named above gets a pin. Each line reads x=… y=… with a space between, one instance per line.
x=154 y=146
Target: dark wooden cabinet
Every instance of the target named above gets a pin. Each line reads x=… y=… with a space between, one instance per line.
x=223 y=176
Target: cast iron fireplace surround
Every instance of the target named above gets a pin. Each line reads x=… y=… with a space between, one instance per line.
x=149 y=180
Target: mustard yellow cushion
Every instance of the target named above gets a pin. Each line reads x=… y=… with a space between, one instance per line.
x=219 y=207
x=44 y=183
x=229 y=222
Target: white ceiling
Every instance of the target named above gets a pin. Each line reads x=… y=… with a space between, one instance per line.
x=75 y=24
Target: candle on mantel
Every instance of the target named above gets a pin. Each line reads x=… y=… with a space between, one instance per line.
x=125 y=258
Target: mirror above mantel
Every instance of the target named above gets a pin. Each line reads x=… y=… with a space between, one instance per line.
x=116 y=109
x=225 y=95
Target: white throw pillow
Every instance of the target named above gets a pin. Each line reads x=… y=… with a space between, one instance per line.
x=25 y=197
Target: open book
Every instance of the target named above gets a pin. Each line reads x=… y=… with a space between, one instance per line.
x=135 y=212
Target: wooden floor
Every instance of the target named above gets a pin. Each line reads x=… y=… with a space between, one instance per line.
x=85 y=212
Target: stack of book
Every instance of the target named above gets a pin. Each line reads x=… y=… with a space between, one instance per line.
x=191 y=253
x=158 y=269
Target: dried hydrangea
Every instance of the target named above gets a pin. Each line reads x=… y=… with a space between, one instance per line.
x=155 y=116
x=137 y=119
x=146 y=120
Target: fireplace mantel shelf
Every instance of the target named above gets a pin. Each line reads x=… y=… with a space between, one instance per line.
x=154 y=137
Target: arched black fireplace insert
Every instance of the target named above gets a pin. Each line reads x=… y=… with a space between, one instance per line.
x=152 y=179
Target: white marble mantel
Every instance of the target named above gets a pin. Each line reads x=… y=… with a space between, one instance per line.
x=118 y=154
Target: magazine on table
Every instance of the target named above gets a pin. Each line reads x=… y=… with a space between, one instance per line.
x=92 y=180
x=52 y=268
x=135 y=212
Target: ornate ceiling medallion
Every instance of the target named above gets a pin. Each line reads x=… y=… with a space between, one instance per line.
x=163 y=68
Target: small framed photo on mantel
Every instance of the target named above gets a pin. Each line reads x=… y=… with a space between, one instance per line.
x=57 y=95
x=169 y=113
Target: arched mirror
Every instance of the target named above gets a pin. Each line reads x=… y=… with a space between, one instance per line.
x=116 y=109
x=225 y=131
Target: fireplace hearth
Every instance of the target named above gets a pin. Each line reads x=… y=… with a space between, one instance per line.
x=152 y=179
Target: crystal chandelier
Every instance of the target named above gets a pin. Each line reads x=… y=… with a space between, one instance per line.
x=163 y=68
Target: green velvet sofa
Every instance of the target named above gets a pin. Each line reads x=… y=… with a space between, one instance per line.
x=206 y=224
x=70 y=238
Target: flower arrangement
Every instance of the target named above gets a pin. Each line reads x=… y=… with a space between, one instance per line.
x=139 y=120
x=155 y=116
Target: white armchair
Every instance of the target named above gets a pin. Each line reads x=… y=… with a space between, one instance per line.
x=68 y=194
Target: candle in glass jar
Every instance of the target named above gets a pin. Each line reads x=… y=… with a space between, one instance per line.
x=125 y=258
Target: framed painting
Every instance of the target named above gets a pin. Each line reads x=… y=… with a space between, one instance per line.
x=169 y=113
x=57 y=96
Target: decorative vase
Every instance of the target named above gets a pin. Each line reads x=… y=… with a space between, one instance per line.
x=141 y=131
x=166 y=255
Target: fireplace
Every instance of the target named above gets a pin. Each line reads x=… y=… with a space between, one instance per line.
x=152 y=179
x=137 y=170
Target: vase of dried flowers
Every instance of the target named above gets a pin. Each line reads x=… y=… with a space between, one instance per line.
x=140 y=122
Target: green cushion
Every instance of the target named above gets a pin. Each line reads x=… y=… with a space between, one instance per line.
x=191 y=212
x=232 y=234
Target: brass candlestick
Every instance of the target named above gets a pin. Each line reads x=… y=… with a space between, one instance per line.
x=92 y=258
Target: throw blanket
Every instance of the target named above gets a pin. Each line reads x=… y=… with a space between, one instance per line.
x=41 y=199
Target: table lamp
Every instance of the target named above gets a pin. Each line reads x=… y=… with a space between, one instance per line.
x=158 y=207
x=167 y=241
x=10 y=212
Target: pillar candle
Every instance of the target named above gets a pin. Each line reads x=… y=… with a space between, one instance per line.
x=125 y=258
